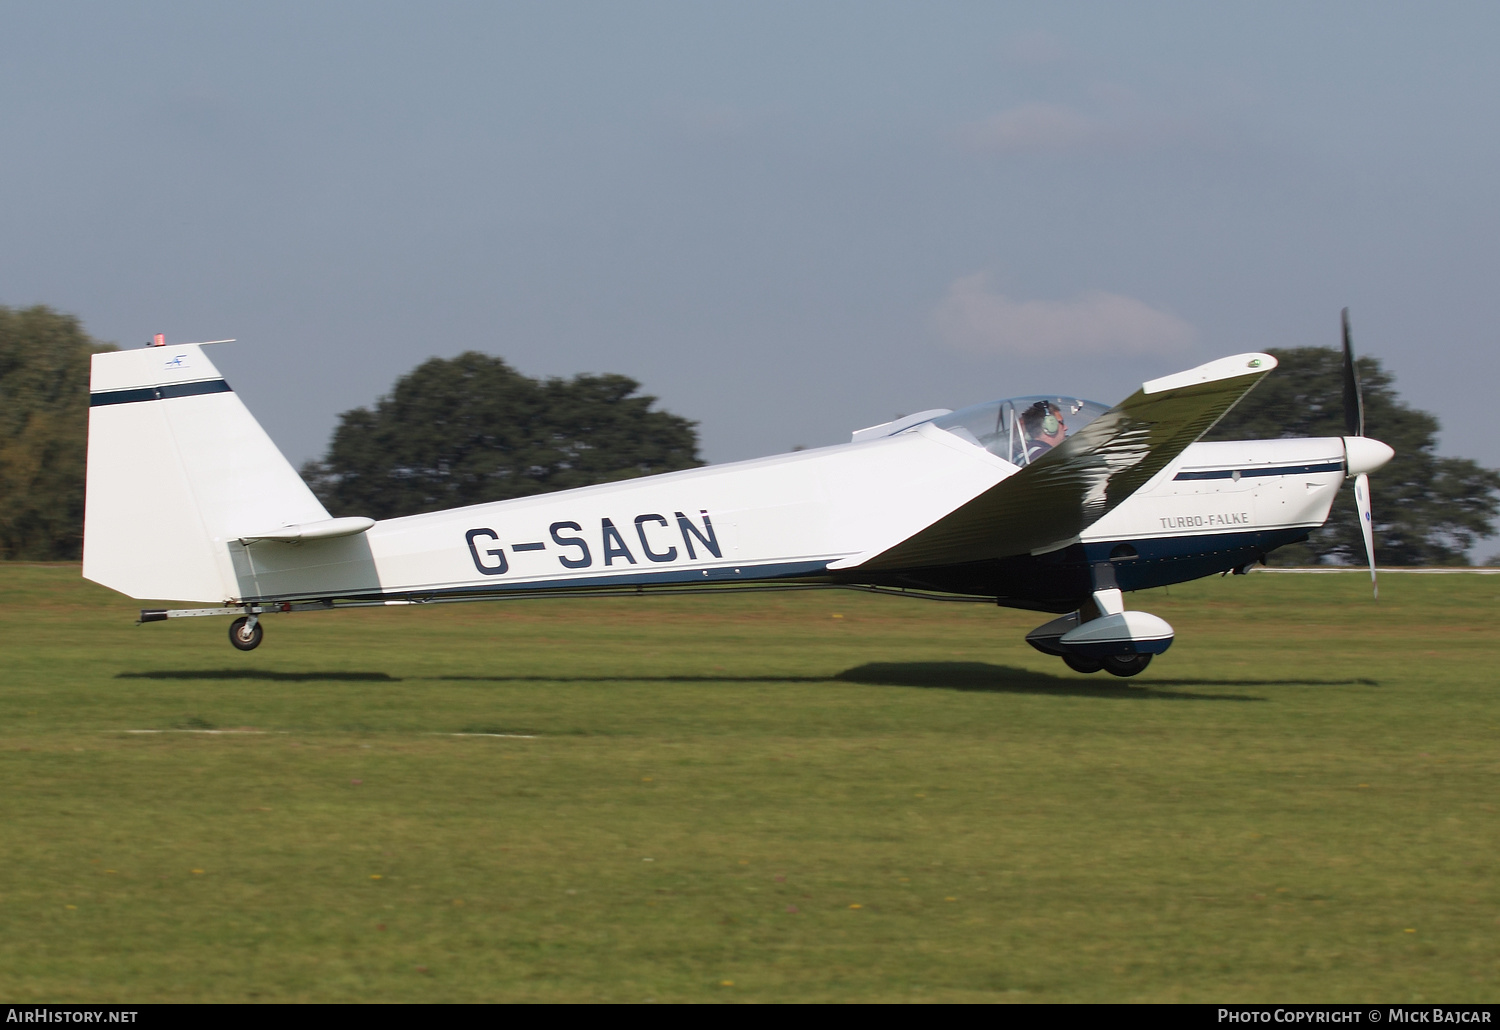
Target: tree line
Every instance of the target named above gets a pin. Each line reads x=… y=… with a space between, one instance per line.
x=44 y=416
x=471 y=429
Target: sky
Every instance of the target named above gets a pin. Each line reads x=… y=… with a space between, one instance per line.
x=785 y=220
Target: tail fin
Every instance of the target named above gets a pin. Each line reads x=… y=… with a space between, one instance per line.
x=178 y=468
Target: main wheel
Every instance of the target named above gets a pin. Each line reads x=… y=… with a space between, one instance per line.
x=1078 y=663
x=1126 y=664
x=244 y=636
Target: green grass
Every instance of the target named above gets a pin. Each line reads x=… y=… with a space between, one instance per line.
x=793 y=797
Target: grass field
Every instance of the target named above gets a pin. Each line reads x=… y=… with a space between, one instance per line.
x=794 y=797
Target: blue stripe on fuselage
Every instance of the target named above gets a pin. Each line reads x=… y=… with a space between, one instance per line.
x=1162 y=561
x=678 y=577
x=1255 y=472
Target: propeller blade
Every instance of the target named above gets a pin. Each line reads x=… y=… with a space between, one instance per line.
x=1366 y=524
x=1354 y=401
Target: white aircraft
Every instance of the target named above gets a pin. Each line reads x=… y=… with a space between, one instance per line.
x=1054 y=504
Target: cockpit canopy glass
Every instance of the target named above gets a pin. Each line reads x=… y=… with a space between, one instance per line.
x=1021 y=429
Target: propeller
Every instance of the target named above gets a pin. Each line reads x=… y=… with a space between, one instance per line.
x=1354 y=401
x=1362 y=501
x=1354 y=425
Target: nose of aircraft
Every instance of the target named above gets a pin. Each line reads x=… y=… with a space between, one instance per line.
x=1363 y=455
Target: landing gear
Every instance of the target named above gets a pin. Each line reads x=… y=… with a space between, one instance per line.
x=1103 y=625
x=245 y=633
x=1115 y=664
x=1078 y=663
x=1126 y=664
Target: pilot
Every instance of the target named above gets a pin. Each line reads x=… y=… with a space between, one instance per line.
x=1044 y=427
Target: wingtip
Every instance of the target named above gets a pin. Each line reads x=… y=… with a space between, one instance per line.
x=1232 y=367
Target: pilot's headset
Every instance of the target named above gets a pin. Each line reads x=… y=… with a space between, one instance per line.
x=1040 y=415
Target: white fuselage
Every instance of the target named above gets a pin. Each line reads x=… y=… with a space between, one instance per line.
x=188 y=499
x=1270 y=485
x=789 y=515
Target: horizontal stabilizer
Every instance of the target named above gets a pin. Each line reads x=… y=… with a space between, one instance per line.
x=326 y=529
x=1049 y=502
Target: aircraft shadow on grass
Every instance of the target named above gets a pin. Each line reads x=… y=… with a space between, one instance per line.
x=968 y=676
x=268 y=675
x=982 y=676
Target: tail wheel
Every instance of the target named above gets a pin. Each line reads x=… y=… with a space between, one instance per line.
x=245 y=636
x=1078 y=663
x=1126 y=664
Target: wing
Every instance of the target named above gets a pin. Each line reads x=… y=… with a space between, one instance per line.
x=1048 y=503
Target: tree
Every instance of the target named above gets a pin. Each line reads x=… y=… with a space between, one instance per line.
x=44 y=409
x=1428 y=510
x=472 y=429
